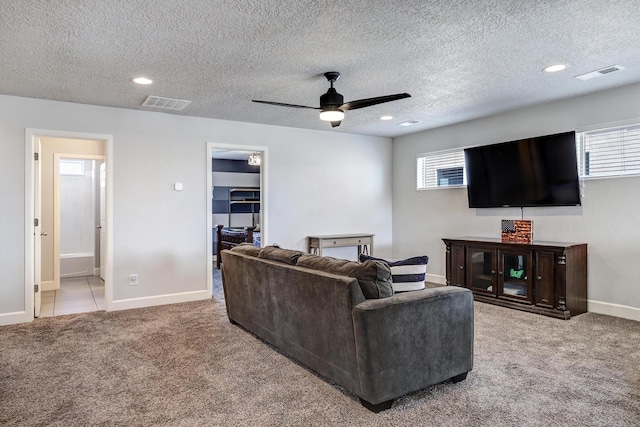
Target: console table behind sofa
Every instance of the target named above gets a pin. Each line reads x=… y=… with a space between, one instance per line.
x=364 y=242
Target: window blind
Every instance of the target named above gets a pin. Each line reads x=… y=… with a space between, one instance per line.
x=441 y=169
x=609 y=152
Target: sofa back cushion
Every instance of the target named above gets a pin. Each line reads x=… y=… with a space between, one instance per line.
x=274 y=253
x=246 y=249
x=373 y=276
x=406 y=274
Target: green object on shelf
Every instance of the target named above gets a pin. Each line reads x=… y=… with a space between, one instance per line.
x=516 y=274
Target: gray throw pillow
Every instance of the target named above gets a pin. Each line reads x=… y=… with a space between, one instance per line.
x=274 y=253
x=374 y=277
x=246 y=249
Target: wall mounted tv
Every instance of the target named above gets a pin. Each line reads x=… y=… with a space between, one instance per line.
x=539 y=171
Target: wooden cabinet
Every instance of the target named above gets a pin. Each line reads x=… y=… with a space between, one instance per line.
x=456 y=265
x=548 y=278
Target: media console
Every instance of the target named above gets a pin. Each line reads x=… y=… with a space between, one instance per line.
x=548 y=278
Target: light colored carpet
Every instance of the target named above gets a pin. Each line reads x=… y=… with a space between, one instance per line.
x=186 y=365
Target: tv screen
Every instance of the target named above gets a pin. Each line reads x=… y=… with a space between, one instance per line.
x=539 y=171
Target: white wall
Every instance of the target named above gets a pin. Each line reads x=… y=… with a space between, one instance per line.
x=319 y=182
x=608 y=220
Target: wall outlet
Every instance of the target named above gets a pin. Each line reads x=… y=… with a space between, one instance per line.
x=133 y=279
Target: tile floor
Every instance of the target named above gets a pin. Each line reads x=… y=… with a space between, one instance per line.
x=76 y=295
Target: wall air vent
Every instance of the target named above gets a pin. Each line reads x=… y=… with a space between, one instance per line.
x=165 y=103
x=599 y=73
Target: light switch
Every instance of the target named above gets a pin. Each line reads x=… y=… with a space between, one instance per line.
x=177 y=186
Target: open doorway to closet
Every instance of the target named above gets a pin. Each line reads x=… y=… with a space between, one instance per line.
x=237 y=201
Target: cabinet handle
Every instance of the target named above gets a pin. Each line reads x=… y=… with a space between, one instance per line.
x=500 y=273
x=461 y=268
x=539 y=277
x=493 y=272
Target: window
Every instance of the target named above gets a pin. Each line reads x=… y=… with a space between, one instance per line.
x=71 y=167
x=441 y=169
x=609 y=152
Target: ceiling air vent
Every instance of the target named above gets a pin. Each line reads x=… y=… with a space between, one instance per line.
x=165 y=103
x=600 y=72
x=409 y=123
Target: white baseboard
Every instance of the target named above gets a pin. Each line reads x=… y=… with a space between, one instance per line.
x=96 y=271
x=48 y=286
x=13 y=318
x=435 y=278
x=126 y=304
x=616 y=310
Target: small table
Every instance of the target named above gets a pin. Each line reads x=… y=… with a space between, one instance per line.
x=363 y=241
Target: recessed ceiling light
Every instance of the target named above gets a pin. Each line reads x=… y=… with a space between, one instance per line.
x=386 y=117
x=142 y=81
x=554 y=68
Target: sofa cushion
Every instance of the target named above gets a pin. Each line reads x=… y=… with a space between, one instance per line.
x=373 y=276
x=274 y=253
x=407 y=274
x=246 y=249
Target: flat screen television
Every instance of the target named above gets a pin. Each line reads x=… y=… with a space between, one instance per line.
x=539 y=171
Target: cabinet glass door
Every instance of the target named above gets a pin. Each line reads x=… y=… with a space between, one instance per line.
x=481 y=269
x=514 y=274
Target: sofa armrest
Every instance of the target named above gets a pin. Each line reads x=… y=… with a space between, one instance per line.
x=412 y=340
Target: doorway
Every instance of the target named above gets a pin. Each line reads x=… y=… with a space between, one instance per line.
x=76 y=286
x=65 y=231
x=227 y=180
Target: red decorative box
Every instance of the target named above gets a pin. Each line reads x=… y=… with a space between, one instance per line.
x=517 y=231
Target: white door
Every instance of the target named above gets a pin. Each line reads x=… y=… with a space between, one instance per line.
x=103 y=228
x=37 y=236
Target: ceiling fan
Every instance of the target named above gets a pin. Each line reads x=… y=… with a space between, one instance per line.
x=332 y=105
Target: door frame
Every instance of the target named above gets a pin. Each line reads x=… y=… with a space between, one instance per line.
x=264 y=188
x=32 y=146
x=56 y=207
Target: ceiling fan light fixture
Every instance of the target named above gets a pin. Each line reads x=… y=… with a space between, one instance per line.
x=332 y=105
x=332 y=115
x=255 y=159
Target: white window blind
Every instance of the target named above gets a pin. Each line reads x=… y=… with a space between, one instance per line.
x=441 y=169
x=609 y=152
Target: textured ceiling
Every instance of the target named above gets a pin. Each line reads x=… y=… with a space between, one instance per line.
x=459 y=59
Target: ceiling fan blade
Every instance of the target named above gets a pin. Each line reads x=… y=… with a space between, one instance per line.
x=335 y=124
x=281 y=104
x=368 y=102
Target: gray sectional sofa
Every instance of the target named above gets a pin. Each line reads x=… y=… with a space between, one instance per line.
x=341 y=319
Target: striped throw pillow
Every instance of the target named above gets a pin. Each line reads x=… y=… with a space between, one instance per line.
x=406 y=274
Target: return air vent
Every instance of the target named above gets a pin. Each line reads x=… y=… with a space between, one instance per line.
x=409 y=123
x=599 y=73
x=165 y=103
